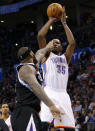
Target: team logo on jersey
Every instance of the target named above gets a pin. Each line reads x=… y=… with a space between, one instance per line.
x=58 y=60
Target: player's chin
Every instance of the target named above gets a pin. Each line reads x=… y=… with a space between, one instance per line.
x=55 y=51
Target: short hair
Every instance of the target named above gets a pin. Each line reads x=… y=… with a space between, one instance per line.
x=23 y=53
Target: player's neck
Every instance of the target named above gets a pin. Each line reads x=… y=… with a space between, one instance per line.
x=57 y=53
x=5 y=116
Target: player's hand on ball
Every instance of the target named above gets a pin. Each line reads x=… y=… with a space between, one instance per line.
x=53 y=19
x=63 y=17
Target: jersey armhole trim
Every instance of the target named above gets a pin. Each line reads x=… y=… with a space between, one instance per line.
x=46 y=59
x=66 y=58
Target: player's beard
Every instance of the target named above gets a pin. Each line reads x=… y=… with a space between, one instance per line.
x=55 y=52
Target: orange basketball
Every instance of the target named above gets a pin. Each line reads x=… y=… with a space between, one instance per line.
x=54 y=10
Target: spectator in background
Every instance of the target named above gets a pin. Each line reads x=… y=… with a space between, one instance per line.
x=92 y=104
x=77 y=123
x=83 y=118
x=91 y=121
x=78 y=106
x=5 y=115
x=76 y=117
x=85 y=103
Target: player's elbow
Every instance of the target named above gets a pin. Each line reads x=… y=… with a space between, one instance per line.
x=73 y=43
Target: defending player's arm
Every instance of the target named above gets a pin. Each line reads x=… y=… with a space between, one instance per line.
x=70 y=49
x=42 y=52
x=42 y=33
x=27 y=74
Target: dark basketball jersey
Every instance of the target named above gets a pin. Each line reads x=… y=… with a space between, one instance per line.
x=24 y=93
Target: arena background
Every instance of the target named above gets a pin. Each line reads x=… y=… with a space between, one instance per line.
x=20 y=21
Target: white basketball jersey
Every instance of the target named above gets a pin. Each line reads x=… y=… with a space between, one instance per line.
x=55 y=72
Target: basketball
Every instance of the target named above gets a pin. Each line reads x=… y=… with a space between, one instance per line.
x=54 y=10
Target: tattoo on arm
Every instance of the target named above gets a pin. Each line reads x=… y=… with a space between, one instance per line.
x=27 y=74
x=40 y=54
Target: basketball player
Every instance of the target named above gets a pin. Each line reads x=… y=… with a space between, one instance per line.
x=5 y=115
x=55 y=70
x=29 y=91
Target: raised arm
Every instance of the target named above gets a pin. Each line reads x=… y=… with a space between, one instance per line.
x=70 y=48
x=42 y=33
x=40 y=54
x=27 y=74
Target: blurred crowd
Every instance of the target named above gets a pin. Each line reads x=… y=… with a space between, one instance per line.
x=81 y=85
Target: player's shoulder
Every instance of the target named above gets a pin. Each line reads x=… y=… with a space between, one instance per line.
x=27 y=69
x=63 y=55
